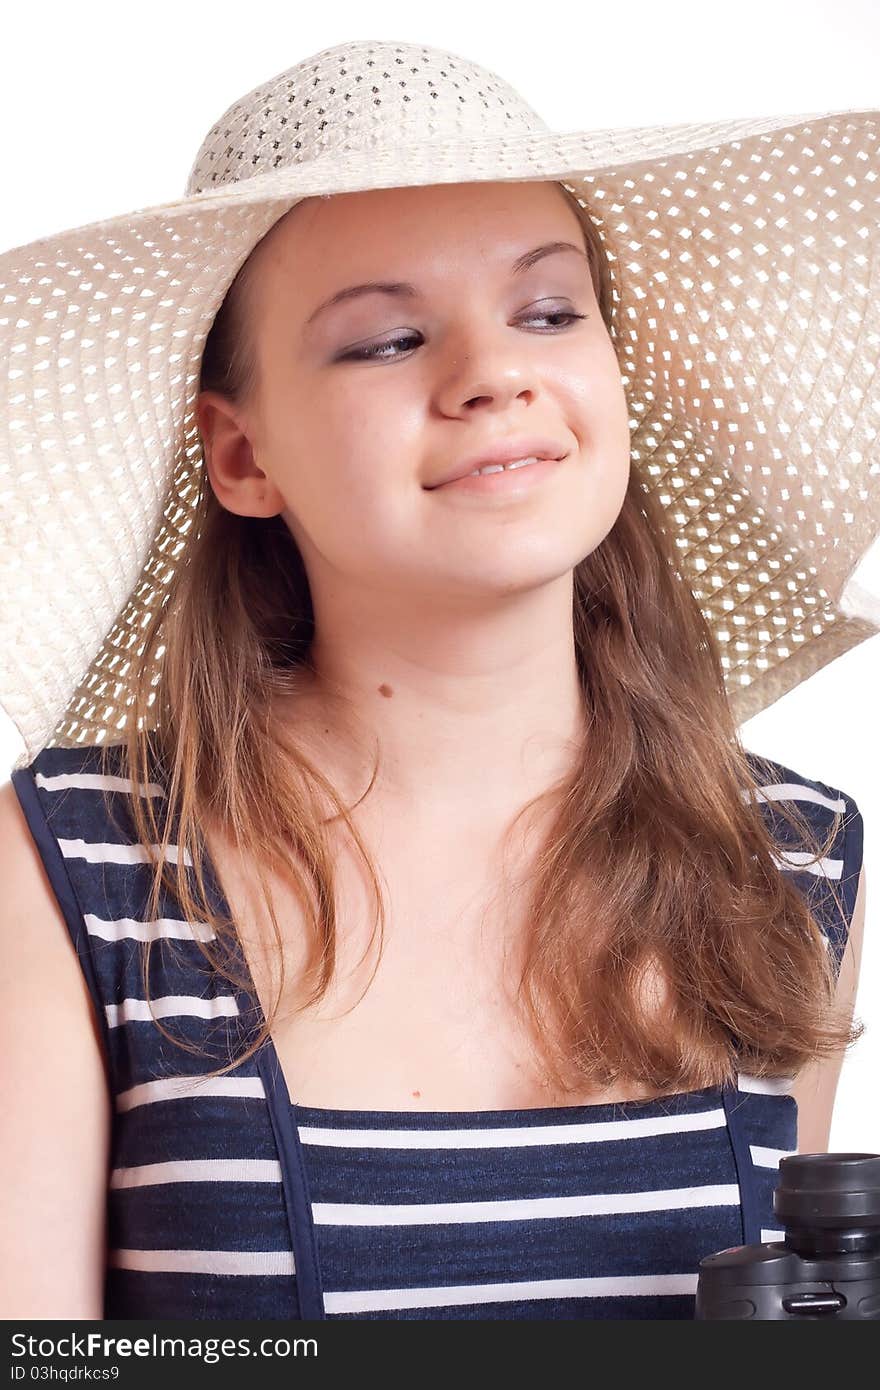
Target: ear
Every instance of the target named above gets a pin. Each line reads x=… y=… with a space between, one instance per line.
x=227 y=436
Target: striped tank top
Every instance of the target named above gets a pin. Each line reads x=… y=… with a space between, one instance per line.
x=227 y=1199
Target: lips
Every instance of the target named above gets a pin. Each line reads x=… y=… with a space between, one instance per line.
x=504 y=451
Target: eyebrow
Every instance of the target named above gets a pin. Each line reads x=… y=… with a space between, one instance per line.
x=403 y=289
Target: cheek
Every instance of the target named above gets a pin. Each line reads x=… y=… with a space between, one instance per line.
x=345 y=455
x=605 y=436
x=613 y=414
x=616 y=455
x=354 y=504
x=373 y=453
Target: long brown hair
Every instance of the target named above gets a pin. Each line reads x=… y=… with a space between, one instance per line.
x=654 y=857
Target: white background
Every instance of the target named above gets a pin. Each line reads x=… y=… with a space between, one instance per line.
x=103 y=108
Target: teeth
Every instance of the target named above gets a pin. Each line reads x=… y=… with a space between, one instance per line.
x=500 y=467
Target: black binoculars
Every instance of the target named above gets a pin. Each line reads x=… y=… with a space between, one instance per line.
x=828 y=1265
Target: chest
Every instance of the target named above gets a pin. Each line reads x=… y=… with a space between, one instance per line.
x=430 y=1022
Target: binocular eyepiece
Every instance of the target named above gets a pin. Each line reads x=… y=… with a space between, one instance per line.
x=828 y=1265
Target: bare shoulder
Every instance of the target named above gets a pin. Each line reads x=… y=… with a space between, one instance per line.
x=815 y=1088
x=54 y=1095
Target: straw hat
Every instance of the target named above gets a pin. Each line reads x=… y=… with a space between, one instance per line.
x=744 y=258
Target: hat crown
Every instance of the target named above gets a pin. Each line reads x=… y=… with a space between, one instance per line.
x=368 y=96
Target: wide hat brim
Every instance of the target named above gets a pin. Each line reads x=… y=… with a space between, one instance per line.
x=744 y=259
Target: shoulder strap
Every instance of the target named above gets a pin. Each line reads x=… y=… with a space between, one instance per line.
x=838 y=871
x=40 y=787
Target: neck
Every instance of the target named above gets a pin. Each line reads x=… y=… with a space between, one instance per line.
x=470 y=715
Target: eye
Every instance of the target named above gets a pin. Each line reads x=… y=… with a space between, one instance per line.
x=558 y=314
x=381 y=351
x=376 y=350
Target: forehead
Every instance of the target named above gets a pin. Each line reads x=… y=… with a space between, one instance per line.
x=322 y=243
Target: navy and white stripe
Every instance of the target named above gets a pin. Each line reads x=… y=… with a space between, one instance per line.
x=597 y=1211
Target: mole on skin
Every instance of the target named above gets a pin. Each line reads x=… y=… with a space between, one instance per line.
x=386 y=691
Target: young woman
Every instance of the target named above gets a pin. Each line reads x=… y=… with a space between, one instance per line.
x=439 y=950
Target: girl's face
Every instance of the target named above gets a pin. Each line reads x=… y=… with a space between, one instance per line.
x=366 y=399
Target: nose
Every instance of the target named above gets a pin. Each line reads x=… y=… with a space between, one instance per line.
x=491 y=370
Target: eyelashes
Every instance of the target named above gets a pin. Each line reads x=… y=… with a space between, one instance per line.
x=374 y=352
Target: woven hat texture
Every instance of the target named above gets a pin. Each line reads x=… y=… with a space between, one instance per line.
x=745 y=264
